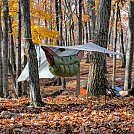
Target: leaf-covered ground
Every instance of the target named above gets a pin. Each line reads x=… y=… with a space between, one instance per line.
x=68 y=114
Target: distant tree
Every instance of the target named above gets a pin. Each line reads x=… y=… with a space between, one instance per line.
x=60 y=23
x=96 y=78
x=31 y=54
x=5 y=47
x=68 y=31
x=130 y=47
x=57 y=17
x=91 y=22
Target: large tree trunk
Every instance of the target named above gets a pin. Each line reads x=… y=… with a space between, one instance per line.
x=5 y=47
x=130 y=48
x=31 y=53
x=96 y=78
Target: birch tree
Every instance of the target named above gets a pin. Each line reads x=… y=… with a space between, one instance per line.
x=130 y=48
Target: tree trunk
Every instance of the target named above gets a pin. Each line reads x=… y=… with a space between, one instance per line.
x=60 y=23
x=5 y=47
x=57 y=28
x=18 y=52
x=87 y=34
x=123 y=51
x=25 y=83
x=31 y=53
x=1 y=91
x=114 y=45
x=57 y=17
x=91 y=13
x=130 y=49
x=79 y=42
x=63 y=81
x=12 y=74
x=96 y=78
x=11 y=44
x=122 y=44
x=110 y=36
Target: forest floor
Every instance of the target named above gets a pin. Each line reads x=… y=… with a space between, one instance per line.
x=67 y=114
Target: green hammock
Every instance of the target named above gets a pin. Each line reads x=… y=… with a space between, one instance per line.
x=63 y=66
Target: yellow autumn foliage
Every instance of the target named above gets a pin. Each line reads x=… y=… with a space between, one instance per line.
x=39 y=33
x=85 y=17
x=37 y=13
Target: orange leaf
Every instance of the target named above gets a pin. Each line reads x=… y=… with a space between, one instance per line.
x=82 y=91
x=132 y=129
x=124 y=109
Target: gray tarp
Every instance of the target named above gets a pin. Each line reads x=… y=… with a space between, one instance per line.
x=69 y=50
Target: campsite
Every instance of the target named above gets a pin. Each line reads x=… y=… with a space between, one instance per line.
x=67 y=114
x=66 y=67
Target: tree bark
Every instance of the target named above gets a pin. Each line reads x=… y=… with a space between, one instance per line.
x=57 y=17
x=130 y=48
x=122 y=44
x=12 y=74
x=1 y=91
x=11 y=44
x=96 y=78
x=57 y=28
x=114 y=45
x=5 y=47
x=79 y=42
x=18 y=52
x=91 y=13
x=31 y=53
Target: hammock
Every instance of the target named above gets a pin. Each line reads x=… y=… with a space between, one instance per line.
x=59 y=50
x=63 y=66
